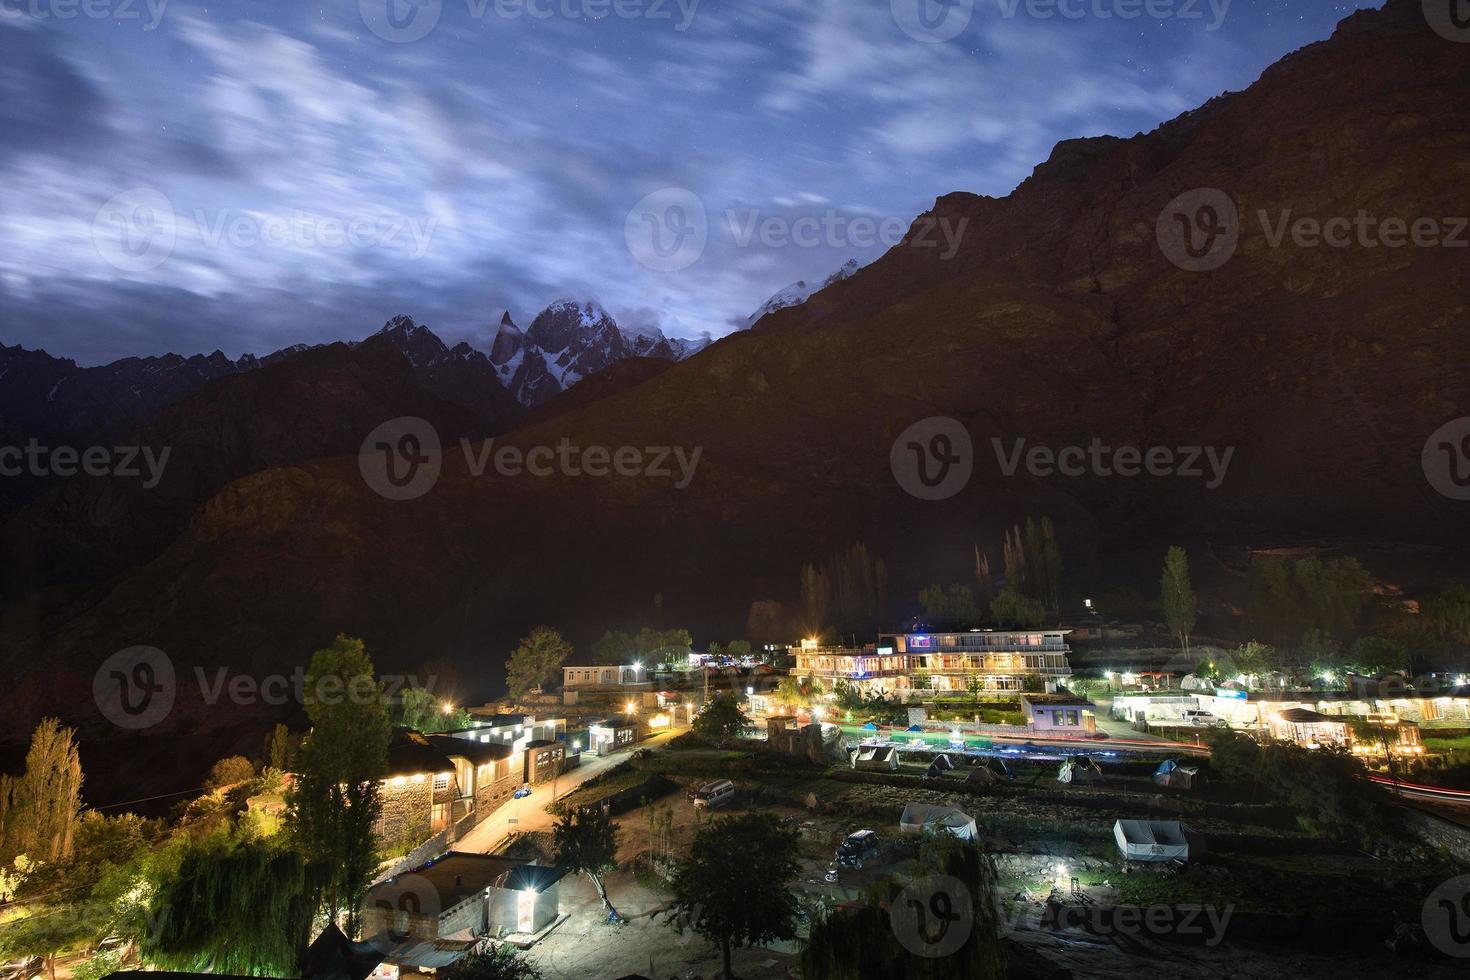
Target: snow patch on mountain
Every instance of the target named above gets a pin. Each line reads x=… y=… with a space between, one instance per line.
x=799 y=292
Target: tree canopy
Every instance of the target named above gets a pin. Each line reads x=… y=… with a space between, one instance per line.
x=721 y=719
x=335 y=800
x=735 y=887
x=536 y=661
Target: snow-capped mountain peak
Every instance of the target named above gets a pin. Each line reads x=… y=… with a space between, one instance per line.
x=799 y=292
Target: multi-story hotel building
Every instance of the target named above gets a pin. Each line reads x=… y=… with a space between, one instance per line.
x=905 y=663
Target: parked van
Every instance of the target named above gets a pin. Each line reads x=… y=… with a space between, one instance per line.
x=857 y=848
x=714 y=794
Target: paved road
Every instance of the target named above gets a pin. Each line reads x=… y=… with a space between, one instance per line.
x=529 y=813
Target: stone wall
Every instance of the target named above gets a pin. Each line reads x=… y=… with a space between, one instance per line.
x=407 y=809
x=1441 y=834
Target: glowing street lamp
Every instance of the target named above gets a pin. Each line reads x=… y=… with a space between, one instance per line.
x=447 y=708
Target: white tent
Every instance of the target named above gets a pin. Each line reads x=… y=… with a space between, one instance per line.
x=1151 y=840
x=921 y=817
x=876 y=757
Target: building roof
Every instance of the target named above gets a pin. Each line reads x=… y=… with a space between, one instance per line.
x=1304 y=716
x=1061 y=699
x=332 y=956
x=458 y=876
x=410 y=753
x=472 y=749
x=494 y=719
x=614 y=721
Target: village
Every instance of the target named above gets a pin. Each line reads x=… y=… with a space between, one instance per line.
x=1108 y=823
x=1121 y=813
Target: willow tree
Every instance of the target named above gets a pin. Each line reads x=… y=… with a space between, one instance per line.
x=336 y=798
x=241 y=906
x=40 y=810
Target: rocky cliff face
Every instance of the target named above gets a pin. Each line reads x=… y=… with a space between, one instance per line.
x=1066 y=318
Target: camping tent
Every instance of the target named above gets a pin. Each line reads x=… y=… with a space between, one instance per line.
x=1080 y=769
x=876 y=757
x=1173 y=774
x=870 y=727
x=1151 y=840
x=919 y=818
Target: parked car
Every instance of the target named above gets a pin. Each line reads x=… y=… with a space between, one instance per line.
x=857 y=848
x=523 y=792
x=22 y=969
x=714 y=794
x=1203 y=719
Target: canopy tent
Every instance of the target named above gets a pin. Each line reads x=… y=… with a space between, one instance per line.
x=920 y=818
x=1151 y=840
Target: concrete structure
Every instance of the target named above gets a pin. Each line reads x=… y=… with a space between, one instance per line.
x=907 y=665
x=611 y=734
x=604 y=675
x=1062 y=713
x=460 y=896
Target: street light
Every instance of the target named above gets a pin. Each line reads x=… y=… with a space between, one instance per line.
x=447 y=708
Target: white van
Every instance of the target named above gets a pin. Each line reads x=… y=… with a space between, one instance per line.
x=714 y=794
x=1204 y=719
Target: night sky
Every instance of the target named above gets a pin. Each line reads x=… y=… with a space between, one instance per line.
x=294 y=172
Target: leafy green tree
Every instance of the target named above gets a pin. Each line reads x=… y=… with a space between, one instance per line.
x=1177 y=596
x=229 y=771
x=586 y=842
x=39 y=810
x=493 y=963
x=1254 y=659
x=616 y=647
x=798 y=692
x=1377 y=655
x=721 y=719
x=1011 y=608
x=48 y=932
x=536 y=661
x=816 y=599
x=952 y=605
x=738 y=649
x=1447 y=614
x=735 y=888
x=769 y=621
x=336 y=798
x=420 y=710
x=854 y=943
x=280 y=748
x=228 y=904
